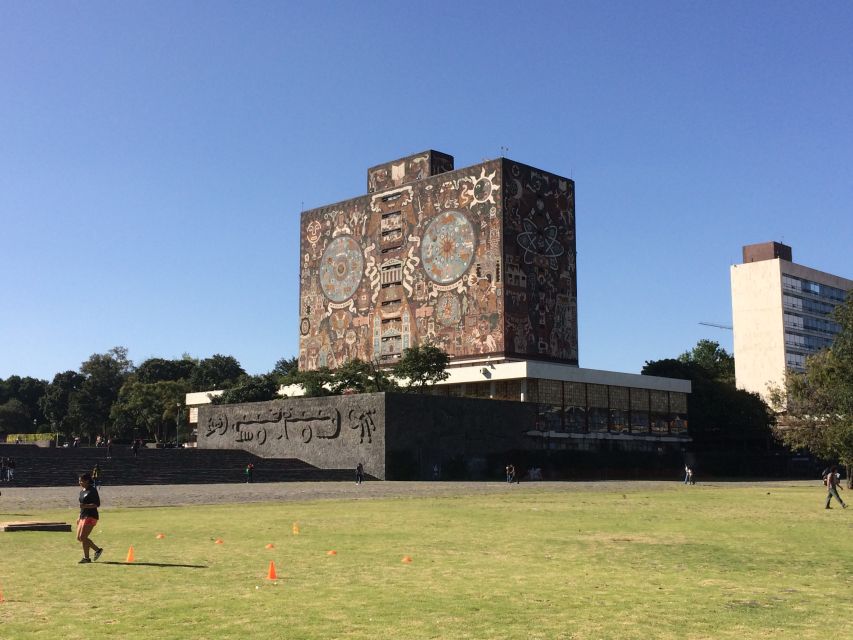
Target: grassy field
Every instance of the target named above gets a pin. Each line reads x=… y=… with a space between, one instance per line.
x=670 y=562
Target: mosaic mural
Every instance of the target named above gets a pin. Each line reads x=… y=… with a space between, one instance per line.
x=426 y=260
x=541 y=267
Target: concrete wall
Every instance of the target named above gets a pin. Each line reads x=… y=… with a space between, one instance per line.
x=759 y=335
x=396 y=436
x=458 y=435
x=336 y=432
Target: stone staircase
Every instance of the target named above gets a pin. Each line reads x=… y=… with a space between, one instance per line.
x=46 y=467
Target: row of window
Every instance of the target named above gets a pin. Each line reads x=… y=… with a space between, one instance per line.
x=793 y=283
x=579 y=407
x=812 y=344
x=808 y=305
x=808 y=323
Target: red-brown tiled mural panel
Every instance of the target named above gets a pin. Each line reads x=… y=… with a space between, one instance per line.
x=540 y=264
x=418 y=262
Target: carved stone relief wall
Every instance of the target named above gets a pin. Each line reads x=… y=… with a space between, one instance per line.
x=395 y=435
x=330 y=433
x=540 y=264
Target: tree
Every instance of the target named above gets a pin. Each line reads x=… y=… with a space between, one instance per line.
x=718 y=362
x=721 y=417
x=14 y=417
x=152 y=408
x=422 y=366
x=28 y=391
x=286 y=368
x=216 y=372
x=817 y=405
x=317 y=382
x=56 y=402
x=160 y=369
x=252 y=389
x=104 y=374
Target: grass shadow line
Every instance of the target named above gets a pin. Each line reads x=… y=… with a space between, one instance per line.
x=157 y=564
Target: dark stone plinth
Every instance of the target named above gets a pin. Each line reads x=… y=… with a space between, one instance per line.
x=394 y=435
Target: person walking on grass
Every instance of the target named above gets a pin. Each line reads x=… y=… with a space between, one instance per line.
x=832 y=486
x=89 y=503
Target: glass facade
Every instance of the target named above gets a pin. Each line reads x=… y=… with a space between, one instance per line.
x=578 y=407
x=809 y=328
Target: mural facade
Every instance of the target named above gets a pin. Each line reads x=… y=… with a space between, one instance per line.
x=425 y=260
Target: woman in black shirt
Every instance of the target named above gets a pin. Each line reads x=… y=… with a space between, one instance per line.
x=89 y=503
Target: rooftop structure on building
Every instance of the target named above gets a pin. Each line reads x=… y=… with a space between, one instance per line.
x=781 y=314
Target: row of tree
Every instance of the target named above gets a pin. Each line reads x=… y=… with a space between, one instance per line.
x=111 y=396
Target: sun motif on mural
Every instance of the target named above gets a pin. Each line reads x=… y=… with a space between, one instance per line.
x=484 y=187
x=540 y=243
x=448 y=247
x=341 y=268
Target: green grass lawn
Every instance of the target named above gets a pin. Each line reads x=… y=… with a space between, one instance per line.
x=671 y=562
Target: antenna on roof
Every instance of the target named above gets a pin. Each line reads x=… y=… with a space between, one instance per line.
x=504 y=151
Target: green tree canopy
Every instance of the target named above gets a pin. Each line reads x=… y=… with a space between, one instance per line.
x=817 y=405
x=56 y=402
x=251 y=389
x=104 y=374
x=721 y=417
x=422 y=366
x=28 y=391
x=160 y=369
x=14 y=417
x=216 y=372
x=149 y=410
x=716 y=361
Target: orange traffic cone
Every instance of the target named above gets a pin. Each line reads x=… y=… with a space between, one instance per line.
x=271 y=573
x=406 y=560
x=130 y=554
x=331 y=553
x=160 y=536
x=270 y=546
x=1 y=594
x=218 y=541
x=296 y=528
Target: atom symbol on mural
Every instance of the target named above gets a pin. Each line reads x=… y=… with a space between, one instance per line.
x=540 y=242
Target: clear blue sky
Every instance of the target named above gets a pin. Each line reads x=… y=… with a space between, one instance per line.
x=154 y=156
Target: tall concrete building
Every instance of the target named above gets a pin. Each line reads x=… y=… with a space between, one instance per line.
x=780 y=314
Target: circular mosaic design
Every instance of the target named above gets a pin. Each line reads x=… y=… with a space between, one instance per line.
x=448 y=247
x=341 y=268
x=482 y=190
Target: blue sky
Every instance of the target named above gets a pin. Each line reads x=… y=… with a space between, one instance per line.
x=154 y=157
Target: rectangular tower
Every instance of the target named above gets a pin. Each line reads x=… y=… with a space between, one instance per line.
x=479 y=261
x=780 y=314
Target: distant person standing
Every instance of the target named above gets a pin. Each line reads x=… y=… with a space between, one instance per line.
x=250 y=468
x=89 y=503
x=96 y=475
x=109 y=448
x=510 y=473
x=135 y=447
x=832 y=482
x=686 y=474
x=10 y=468
x=359 y=473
